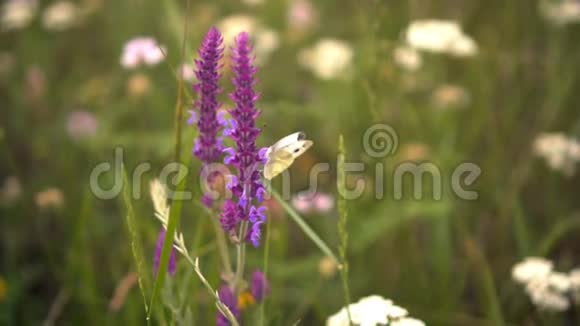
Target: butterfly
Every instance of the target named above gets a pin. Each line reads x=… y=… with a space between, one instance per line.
x=283 y=153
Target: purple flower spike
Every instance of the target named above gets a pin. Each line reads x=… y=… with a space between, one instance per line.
x=157 y=258
x=227 y=298
x=260 y=286
x=208 y=146
x=247 y=158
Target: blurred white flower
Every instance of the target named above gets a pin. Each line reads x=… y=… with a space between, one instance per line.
x=17 y=14
x=187 y=72
x=546 y=295
x=142 y=50
x=574 y=277
x=547 y=289
x=233 y=25
x=10 y=191
x=328 y=59
x=531 y=268
x=407 y=321
x=81 y=125
x=60 y=16
x=371 y=311
x=266 y=40
x=449 y=96
x=560 y=152
x=560 y=12
x=407 y=58
x=440 y=36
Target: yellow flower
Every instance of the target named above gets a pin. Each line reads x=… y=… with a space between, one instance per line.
x=245 y=300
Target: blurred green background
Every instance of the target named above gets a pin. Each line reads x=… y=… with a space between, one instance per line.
x=67 y=102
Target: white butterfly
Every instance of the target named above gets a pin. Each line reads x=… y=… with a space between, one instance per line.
x=282 y=154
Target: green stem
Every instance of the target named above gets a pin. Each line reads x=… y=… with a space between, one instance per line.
x=306 y=228
x=262 y=315
x=222 y=246
x=241 y=256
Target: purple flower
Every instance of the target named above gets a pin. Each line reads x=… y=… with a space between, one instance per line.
x=246 y=157
x=260 y=286
x=229 y=300
x=208 y=146
x=157 y=258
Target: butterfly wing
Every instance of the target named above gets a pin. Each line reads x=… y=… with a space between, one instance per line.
x=278 y=161
x=281 y=157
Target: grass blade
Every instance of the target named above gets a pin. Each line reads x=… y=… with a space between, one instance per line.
x=305 y=227
x=137 y=250
x=174 y=216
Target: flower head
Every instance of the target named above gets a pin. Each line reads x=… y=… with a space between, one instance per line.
x=560 y=152
x=17 y=14
x=260 y=286
x=440 y=36
x=207 y=147
x=560 y=12
x=328 y=59
x=227 y=297
x=307 y=203
x=60 y=15
x=157 y=259
x=530 y=268
x=141 y=50
x=373 y=310
x=246 y=186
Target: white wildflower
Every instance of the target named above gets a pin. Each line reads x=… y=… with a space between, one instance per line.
x=407 y=58
x=60 y=16
x=440 y=36
x=560 y=12
x=17 y=14
x=560 y=152
x=407 y=321
x=328 y=59
x=142 y=50
x=266 y=40
x=373 y=310
x=531 y=268
x=560 y=282
x=574 y=277
x=545 y=296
